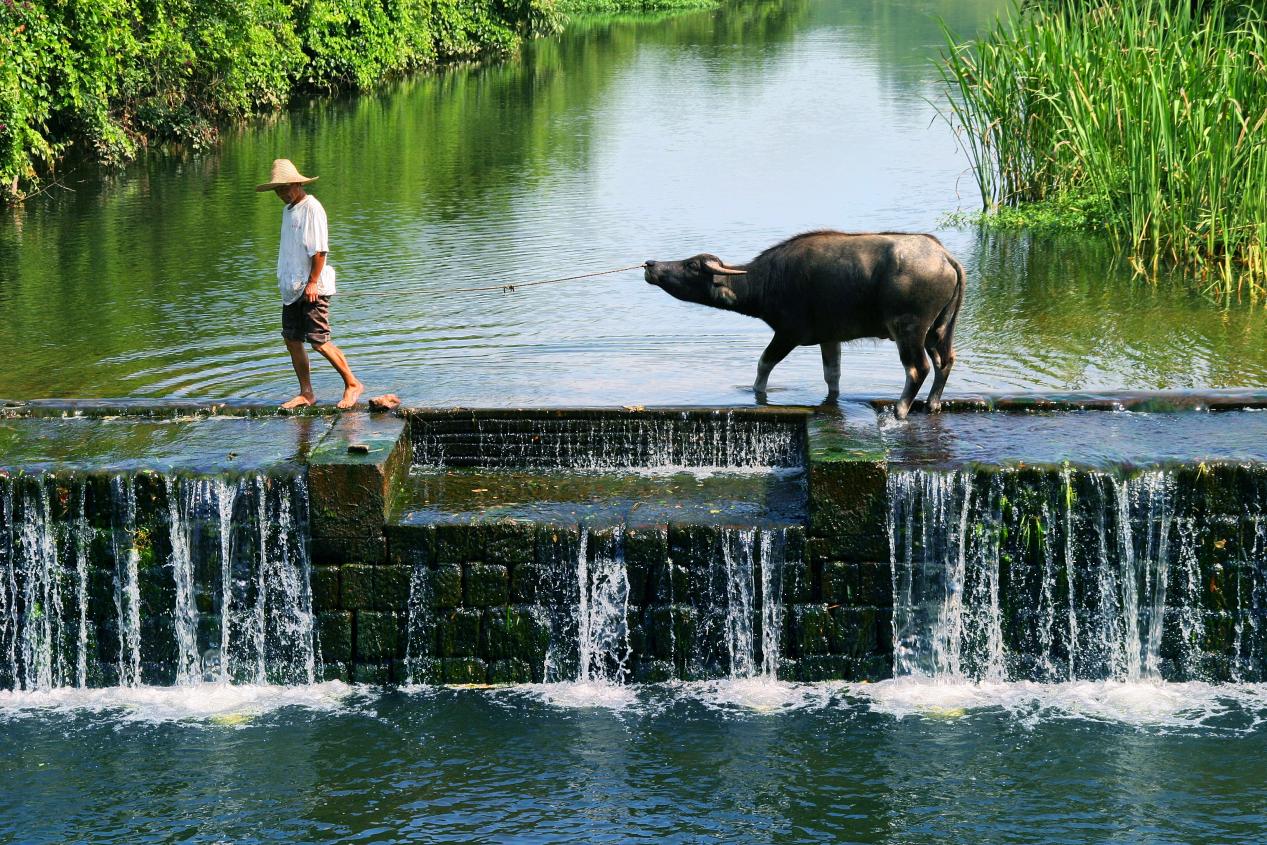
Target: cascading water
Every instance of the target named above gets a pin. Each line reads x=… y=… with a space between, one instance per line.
x=602 y=612
x=78 y=612
x=1036 y=575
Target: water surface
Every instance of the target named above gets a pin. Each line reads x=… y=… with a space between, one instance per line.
x=725 y=762
x=616 y=142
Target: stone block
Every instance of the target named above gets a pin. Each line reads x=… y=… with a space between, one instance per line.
x=334 y=630
x=510 y=544
x=873 y=668
x=525 y=583
x=377 y=636
x=848 y=508
x=824 y=667
x=694 y=546
x=646 y=555
x=652 y=671
x=487 y=585
x=391 y=588
x=328 y=550
x=811 y=630
x=458 y=543
x=377 y=674
x=208 y=632
x=336 y=672
x=465 y=670
x=411 y=545
x=509 y=671
x=514 y=632
x=349 y=493
x=445 y=586
x=855 y=631
x=857 y=584
x=358 y=587
x=425 y=670
x=557 y=544
x=797 y=582
x=458 y=633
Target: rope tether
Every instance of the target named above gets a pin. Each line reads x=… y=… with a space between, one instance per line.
x=505 y=288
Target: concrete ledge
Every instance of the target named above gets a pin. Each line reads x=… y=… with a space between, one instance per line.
x=352 y=477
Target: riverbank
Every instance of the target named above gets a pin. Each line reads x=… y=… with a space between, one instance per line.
x=106 y=83
x=1144 y=119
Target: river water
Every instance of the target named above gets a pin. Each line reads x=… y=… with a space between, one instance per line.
x=614 y=143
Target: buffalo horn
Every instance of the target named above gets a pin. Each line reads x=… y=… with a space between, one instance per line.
x=716 y=268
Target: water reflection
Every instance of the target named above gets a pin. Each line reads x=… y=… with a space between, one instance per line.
x=618 y=141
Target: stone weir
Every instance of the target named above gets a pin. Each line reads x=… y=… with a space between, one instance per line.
x=1038 y=538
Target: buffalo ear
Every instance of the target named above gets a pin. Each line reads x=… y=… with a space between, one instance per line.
x=723 y=293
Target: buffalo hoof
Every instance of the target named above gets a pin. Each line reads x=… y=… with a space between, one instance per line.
x=934 y=407
x=900 y=410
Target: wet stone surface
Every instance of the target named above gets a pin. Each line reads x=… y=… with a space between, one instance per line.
x=718 y=498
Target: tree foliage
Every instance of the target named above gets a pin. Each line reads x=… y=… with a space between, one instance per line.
x=105 y=78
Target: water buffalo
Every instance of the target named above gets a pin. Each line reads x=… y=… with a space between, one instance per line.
x=829 y=287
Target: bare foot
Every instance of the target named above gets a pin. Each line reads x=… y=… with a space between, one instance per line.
x=350 y=394
x=303 y=400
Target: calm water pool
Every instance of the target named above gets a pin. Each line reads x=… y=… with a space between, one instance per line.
x=886 y=763
x=614 y=143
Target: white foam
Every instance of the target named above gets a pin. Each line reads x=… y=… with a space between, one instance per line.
x=574 y=695
x=222 y=704
x=1140 y=703
x=758 y=695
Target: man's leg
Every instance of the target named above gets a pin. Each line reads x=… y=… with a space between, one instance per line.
x=352 y=389
x=299 y=359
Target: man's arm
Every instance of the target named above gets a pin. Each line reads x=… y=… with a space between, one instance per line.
x=318 y=263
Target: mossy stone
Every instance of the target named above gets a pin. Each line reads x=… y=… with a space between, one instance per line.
x=357 y=587
x=377 y=636
x=334 y=629
x=487 y=585
x=325 y=588
x=445 y=586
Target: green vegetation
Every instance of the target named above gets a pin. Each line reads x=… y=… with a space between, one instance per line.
x=608 y=7
x=1144 y=118
x=105 y=78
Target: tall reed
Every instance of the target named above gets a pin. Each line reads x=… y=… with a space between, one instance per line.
x=1147 y=110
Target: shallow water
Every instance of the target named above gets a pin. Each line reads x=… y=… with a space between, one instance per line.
x=1083 y=438
x=617 y=142
x=892 y=762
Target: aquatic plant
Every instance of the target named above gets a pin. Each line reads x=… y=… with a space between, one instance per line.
x=1144 y=118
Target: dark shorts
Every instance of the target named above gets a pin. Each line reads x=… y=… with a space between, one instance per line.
x=310 y=321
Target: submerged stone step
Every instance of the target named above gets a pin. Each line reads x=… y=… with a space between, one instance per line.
x=468 y=496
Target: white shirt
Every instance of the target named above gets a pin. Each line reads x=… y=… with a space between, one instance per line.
x=303 y=236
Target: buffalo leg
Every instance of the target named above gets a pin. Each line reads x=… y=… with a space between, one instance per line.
x=778 y=349
x=942 y=351
x=911 y=351
x=831 y=368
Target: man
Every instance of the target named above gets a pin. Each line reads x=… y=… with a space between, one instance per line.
x=306 y=281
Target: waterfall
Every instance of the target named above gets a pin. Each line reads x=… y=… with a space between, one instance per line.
x=127 y=592
x=180 y=504
x=187 y=587
x=739 y=565
x=773 y=553
x=1044 y=575
x=602 y=612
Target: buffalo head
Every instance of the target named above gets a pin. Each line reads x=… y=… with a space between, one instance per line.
x=702 y=279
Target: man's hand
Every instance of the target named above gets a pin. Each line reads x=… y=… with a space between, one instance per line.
x=310 y=291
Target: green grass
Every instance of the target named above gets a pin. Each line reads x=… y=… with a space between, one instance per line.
x=1142 y=117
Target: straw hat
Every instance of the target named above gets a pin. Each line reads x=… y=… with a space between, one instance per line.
x=284 y=173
